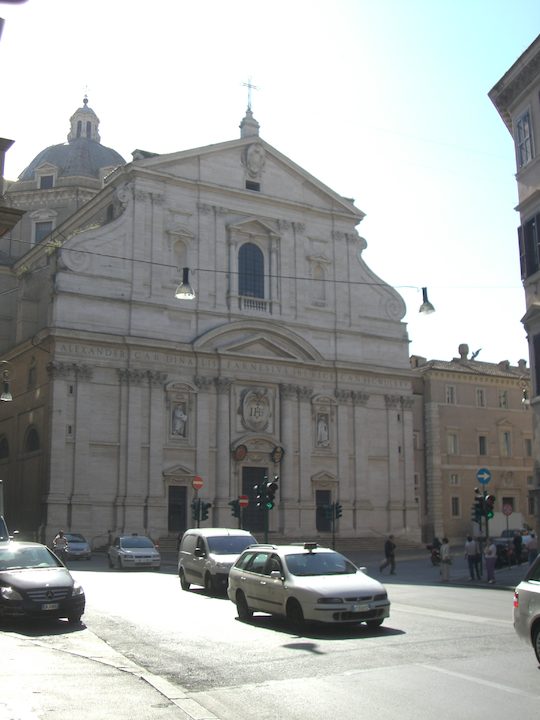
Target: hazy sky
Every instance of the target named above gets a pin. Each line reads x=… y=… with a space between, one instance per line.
x=385 y=101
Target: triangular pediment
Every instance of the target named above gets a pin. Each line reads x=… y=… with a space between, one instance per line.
x=177 y=471
x=257 y=339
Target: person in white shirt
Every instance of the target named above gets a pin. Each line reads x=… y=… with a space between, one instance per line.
x=472 y=555
x=446 y=560
x=60 y=544
x=490 y=554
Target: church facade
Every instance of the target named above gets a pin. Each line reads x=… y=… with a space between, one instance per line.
x=290 y=361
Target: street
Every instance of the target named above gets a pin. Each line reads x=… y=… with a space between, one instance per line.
x=445 y=651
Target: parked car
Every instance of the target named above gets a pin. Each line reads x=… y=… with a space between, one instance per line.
x=133 y=551
x=305 y=583
x=206 y=555
x=35 y=584
x=505 y=548
x=527 y=607
x=77 y=547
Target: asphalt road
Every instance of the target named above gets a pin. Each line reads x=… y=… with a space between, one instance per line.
x=447 y=651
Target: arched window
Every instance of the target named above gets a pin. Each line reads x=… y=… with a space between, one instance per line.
x=4 y=448
x=250 y=271
x=31 y=441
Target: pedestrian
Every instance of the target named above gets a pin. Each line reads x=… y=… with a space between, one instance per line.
x=389 y=555
x=446 y=560
x=60 y=544
x=472 y=555
x=517 y=542
x=490 y=553
x=532 y=548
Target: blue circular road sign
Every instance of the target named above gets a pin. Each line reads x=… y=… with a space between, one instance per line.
x=483 y=476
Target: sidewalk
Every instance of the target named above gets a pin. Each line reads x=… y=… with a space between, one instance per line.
x=72 y=673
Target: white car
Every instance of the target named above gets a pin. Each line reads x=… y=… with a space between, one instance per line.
x=133 y=551
x=527 y=607
x=305 y=583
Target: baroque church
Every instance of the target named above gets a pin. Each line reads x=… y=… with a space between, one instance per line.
x=286 y=358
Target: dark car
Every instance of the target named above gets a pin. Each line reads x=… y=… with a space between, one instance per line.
x=35 y=584
x=78 y=547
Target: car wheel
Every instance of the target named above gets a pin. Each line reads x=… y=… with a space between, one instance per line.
x=373 y=624
x=75 y=618
x=536 y=641
x=295 y=614
x=183 y=582
x=244 y=613
x=209 y=584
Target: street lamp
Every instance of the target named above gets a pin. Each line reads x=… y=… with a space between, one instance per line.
x=426 y=307
x=6 y=395
x=184 y=291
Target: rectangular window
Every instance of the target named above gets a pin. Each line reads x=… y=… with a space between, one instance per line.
x=503 y=399
x=506 y=443
x=455 y=507
x=480 y=397
x=482 y=445
x=528 y=447
x=524 y=147
x=454 y=479
x=531 y=505
x=452 y=442
x=46 y=182
x=41 y=230
x=450 y=395
x=530 y=480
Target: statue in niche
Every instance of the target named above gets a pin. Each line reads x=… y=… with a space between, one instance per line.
x=179 y=420
x=323 y=432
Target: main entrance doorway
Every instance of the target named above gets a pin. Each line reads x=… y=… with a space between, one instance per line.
x=253 y=518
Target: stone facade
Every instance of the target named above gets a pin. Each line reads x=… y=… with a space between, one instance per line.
x=516 y=97
x=290 y=361
x=470 y=415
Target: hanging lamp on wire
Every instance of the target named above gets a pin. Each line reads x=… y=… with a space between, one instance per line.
x=184 y=291
x=426 y=307
x=6 y=395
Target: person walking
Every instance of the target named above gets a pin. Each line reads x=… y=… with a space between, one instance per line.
x=517 y=542
x=446 y=560
x=532 y=548
x=389 y=555
x=490 y=554
x=472 y=555
x=60 y=544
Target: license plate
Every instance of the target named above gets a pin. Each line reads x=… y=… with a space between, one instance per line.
x=50 y=606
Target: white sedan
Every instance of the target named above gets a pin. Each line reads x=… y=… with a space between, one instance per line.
x=133 y=551
x=305 y=583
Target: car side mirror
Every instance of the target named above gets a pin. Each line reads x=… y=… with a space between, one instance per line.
x=363 y=569
x=276 y=574
x=199 y=552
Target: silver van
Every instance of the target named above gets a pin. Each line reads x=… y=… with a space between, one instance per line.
x=206 y=555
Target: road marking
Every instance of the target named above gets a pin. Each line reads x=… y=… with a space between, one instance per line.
x=479 y=681
x=448 y=615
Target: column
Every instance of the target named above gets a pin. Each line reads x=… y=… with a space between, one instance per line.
x=305 y=449
x=289 y=486
x=156 y=502
x=394 y=495
x=80 y=503
x=135 y=485
x=361 y=490
x=222 y=485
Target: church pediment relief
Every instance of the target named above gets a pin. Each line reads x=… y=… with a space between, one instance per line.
x=251 y=226
x=177 y=471
x=255 y=339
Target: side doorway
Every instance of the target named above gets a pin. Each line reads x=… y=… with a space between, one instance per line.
x=177 y=509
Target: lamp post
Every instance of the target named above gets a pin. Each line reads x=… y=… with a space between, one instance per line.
x=6 y=395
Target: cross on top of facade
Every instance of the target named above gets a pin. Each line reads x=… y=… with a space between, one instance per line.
x=250 y=87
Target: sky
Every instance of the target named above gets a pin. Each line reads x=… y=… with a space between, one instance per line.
x=384 y=101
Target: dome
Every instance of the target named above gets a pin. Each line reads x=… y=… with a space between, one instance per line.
x=83 y=155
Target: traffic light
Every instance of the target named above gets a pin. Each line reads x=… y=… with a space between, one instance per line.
x=339 y=510
x=235 y=508
x=270 y=492
x=195 y=504
x=478 y=507
x=489 y=506
x=205 y=507
x=259 y=495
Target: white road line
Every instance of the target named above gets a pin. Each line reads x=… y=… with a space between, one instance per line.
x=480 y=681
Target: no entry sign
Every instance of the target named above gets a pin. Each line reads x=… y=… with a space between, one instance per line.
x=197 y=482
x=243 y=501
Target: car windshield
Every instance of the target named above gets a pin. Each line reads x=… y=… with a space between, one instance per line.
x=229 y=544
x=136 y=542
x=19 y=558
x=320 y=563
x=74 y=537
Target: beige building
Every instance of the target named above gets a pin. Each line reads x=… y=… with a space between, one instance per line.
x=471 y=415
x=291 y=359
x=517 y=98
